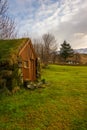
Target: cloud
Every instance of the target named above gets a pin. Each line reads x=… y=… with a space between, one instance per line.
x=66 y=19
x=75 y=25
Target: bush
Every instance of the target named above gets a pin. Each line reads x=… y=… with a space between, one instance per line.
x=10 y=76
x=2 y=83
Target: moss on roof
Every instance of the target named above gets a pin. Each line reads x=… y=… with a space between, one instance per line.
x=9 y=47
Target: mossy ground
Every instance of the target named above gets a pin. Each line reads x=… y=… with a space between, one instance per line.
x=61 y=105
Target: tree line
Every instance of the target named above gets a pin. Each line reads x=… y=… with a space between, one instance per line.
x=47 y=50
x=45 y=46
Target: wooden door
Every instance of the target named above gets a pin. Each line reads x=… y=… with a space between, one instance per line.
x=32 y=70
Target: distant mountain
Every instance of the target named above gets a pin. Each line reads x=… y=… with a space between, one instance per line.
x=81 y=51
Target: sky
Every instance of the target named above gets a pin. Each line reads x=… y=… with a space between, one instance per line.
x=65 y=19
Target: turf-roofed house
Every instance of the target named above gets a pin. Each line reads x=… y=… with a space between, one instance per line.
x=18 y=62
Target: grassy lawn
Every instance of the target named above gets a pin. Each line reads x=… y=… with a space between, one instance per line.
x=61 y=105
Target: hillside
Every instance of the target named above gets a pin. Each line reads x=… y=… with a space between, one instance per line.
x=81 y=51
x=83 y=58
x=79 y=58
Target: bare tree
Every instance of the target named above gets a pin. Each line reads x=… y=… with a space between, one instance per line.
x=3 y=7
x=39 y=48
x=7 y=26
x=50 y=46
x=37 y=44
x=77 y=58
x=45 y=48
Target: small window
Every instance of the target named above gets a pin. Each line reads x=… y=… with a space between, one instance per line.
x=20 y=64
x=26 y=64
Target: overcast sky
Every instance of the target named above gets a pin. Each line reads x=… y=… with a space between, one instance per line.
x=65 y=19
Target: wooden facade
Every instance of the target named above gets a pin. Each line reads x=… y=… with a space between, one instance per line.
x=28 y=61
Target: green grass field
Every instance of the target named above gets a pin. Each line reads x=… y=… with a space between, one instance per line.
x=61 y=105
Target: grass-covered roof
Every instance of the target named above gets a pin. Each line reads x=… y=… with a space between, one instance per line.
x=10 y=47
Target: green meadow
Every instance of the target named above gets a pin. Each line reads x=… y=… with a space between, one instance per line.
x=60 y=105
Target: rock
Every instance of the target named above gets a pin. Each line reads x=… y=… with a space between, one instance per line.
x=30 y=86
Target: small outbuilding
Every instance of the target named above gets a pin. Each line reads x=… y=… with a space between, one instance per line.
x=18 y=61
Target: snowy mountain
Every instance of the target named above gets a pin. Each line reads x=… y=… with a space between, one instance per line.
x=81 y=51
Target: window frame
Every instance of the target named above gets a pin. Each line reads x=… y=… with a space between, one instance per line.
x=25 y=64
